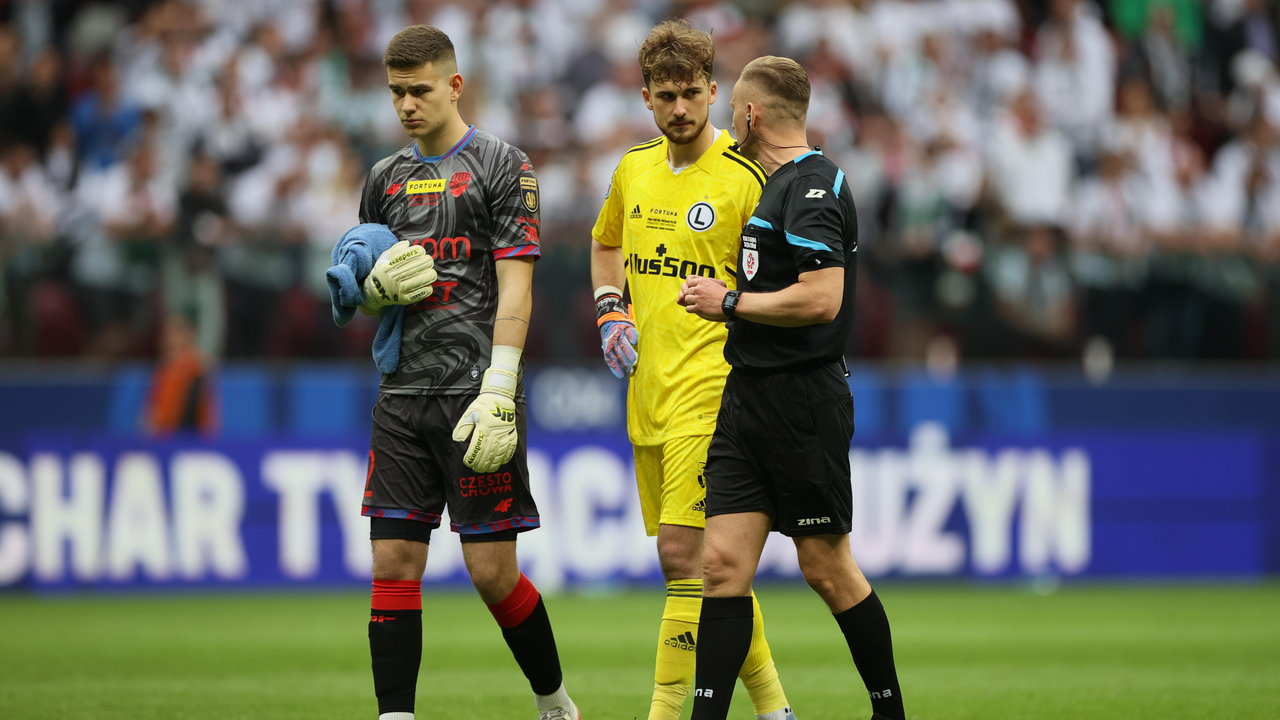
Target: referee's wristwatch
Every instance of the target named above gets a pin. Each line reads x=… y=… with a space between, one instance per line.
x=729 y=305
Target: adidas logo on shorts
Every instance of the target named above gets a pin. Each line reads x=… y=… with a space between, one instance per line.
x=700 y=506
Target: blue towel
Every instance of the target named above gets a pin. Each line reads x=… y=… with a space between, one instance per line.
x=353 y=257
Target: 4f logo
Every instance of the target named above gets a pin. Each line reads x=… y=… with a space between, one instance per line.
x=816 y=193
x=503 y=506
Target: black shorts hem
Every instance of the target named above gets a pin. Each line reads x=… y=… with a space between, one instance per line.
x=390 y=528
x=518 y=524
x=482 y=537
x=812 y=531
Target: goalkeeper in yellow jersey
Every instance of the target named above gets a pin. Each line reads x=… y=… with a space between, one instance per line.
x=676 y=207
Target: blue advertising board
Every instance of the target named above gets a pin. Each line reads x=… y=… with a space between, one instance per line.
x=94 y=510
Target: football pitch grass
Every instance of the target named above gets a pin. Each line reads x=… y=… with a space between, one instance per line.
x=964 y=651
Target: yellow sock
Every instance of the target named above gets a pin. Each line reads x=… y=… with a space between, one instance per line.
x=758 y=673
x=677 y=637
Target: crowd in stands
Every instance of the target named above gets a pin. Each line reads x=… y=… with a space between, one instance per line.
x=1035 y=178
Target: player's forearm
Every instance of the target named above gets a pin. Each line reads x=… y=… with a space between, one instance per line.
x=814 y=300
x=607 y=266
x=515 y=301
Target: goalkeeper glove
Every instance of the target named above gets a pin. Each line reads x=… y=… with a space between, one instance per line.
x=490 y=419
x=401 y=276
x=618 y=334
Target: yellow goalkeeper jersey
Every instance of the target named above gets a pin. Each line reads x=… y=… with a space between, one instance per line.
x=671 y=225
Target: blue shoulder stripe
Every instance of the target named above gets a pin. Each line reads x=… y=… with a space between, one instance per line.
x=759 y=223
x=805 y=242
x=839 y=181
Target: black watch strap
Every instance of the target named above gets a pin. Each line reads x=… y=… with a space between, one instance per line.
x=730 y=304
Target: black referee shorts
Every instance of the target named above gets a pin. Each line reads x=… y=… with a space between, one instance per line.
x=416 y=471
x=781 y=447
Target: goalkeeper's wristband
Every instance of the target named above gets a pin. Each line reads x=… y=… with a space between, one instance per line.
x=503 y=375
x=609 y=305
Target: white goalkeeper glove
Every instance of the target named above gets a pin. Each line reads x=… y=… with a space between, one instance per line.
x=490 y=420
x=401 y=276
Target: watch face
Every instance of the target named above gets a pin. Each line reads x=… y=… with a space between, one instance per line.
x=730 y=303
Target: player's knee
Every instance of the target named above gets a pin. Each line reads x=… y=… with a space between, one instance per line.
x=722 y=573
x=823 y=580
x=678 y=562
x=493 y=582
x=398 y=560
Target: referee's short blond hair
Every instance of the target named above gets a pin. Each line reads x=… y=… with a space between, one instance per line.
x=782 y=84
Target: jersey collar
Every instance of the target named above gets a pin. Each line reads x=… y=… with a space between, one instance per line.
x=471 y=132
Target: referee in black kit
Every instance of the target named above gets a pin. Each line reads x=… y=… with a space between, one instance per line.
x=779 y=459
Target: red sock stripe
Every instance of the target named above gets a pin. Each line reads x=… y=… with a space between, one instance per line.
x=397 y=595
x=518 y=605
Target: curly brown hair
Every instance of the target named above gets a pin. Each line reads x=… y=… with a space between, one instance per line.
x=676 y=52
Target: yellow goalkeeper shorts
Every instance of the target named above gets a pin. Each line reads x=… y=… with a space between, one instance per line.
x=673 y=489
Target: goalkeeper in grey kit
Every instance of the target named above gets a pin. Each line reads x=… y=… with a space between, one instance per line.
x=448 y=425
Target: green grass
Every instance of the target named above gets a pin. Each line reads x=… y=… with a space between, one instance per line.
x=1156 y=651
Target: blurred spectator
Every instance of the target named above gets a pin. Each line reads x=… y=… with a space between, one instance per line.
x=106 y=122
x=1031 y=166
x=1010 y=161
x=1075 y=72
x=1033 y=297
x=39 y=102
x=192 y=281
x=30 y=205
x=180 y=399
x=1109 y=250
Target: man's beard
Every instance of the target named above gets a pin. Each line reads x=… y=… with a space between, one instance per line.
x=688 y=133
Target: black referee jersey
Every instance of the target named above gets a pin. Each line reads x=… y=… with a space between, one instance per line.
x=805 y=220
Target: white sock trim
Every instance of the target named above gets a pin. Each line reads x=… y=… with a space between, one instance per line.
x=559 y=698
x=396 y=716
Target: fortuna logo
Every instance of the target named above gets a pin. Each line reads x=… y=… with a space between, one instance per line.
x=886 y=693
x=816 y=193
x=683 y=641
x=635 y=213
x=703 y=692
x=503 y=506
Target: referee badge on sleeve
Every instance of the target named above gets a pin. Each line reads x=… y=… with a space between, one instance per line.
x=750 y=257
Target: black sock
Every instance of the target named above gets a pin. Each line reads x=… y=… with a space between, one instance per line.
x=724 y=636
x=534 y=646
x=866 y=630
x=395 y=644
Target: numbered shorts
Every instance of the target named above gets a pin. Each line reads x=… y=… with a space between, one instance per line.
x=416 y=469
x=673 y=489
x=781 y=447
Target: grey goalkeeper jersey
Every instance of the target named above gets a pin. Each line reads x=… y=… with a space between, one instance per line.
x=472 y=206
